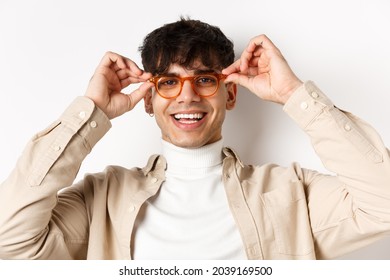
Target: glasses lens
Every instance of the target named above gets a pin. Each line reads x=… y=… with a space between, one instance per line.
x=168 y=86
x=205 y=85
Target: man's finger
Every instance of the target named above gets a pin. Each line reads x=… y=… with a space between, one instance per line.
x=239 y=79
x=232 y=68
x=133 y=67
x=113 y=59
x=138 y=94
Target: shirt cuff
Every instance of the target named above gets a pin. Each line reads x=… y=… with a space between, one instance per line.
x=306 y=103
x=85 y=118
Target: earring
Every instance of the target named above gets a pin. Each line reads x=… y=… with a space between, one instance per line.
x=151 y=115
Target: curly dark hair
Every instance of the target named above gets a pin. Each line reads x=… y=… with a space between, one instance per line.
x=185 y=42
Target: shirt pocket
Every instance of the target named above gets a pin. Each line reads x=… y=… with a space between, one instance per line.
x=288 y=212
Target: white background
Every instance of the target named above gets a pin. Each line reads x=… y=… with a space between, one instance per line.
x=49 y=50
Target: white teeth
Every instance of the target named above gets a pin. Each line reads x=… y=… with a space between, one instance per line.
x=189 y=116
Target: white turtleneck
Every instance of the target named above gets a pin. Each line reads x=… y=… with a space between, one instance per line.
x=189 y=218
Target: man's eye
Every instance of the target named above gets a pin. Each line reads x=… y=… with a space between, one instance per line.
x=206 y=81
x=168 y=82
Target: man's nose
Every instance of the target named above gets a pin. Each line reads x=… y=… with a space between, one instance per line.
x=187 y=94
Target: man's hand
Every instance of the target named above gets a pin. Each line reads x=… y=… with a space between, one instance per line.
x=113 y=74
x=264 y=71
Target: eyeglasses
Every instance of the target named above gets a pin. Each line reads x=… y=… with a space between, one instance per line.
x=204 y=85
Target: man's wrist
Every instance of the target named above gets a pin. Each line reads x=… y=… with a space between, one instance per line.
x=290 y=91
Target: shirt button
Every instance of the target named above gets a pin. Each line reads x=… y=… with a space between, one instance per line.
x=154 y=180
x=347 y=127
x=304 y=106
x=314 y=94
x=56 y=148
x=131 y=208
x=93 y=124
x=253 y=250
x=82 y=115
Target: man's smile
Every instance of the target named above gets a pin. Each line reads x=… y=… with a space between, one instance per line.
x=188 y=118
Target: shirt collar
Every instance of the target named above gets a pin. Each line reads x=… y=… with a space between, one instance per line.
x=180 y=159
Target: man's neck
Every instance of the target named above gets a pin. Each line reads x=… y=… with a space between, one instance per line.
x=186 y=161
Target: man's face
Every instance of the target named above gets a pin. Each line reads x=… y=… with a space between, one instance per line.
x=189 y=120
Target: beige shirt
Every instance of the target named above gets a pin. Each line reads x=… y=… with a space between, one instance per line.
x=281 y=213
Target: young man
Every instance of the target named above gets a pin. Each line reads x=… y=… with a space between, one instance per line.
x=197 y=200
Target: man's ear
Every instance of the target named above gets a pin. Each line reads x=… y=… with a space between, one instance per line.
x=148 y=102
x=231 y=98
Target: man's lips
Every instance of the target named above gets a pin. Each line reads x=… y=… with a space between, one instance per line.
x=188 y=118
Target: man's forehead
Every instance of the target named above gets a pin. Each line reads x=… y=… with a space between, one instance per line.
x=196 y=68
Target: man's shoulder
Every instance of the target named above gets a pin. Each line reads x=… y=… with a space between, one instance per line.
x=269 y=172
x=272 y=171
x=120 y=175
